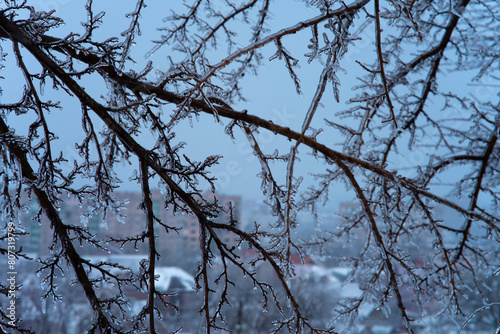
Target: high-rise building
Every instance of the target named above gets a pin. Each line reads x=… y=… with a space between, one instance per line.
x=178 y=234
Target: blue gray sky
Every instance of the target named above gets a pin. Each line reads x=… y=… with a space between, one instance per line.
x=271 y=94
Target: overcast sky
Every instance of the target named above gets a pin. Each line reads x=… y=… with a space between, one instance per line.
x=272 y=100
x=271 y=94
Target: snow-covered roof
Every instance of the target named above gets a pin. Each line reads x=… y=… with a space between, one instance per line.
x=341 y=271
x=166 y=276
x=329 y=277
x=131 y=261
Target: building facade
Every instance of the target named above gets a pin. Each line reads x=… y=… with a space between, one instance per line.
x=123 y=232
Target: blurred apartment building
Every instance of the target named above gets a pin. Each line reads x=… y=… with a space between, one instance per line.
x=179 y=243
